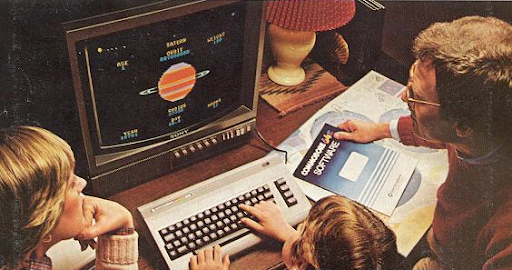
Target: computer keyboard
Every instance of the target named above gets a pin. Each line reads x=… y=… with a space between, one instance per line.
x=208 y=213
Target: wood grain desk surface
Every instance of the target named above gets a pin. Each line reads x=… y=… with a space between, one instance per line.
x=274 y=129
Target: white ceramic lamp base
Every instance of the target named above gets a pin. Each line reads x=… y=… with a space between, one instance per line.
x=289 y=48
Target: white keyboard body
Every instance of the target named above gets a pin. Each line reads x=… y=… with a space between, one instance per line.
x=165 y=214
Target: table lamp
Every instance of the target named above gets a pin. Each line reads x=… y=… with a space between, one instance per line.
x=291 y=32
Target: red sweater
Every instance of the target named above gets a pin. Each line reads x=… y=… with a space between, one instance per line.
x=473 y=217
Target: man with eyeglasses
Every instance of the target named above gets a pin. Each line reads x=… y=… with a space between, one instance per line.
x=460 y=97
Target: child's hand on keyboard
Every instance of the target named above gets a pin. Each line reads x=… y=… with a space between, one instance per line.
x=271 y=221
x=209 y=259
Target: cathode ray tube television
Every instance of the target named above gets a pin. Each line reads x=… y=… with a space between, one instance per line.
x=163 y=85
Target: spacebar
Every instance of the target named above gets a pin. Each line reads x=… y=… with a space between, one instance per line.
x=234 y=238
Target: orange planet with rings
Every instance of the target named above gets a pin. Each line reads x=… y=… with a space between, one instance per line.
x=177 y=82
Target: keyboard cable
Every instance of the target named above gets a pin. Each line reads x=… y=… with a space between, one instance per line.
x=273 y=147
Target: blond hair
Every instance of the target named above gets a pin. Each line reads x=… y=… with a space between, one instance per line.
x=472 y=57
x=35 y=166
x=341 y=234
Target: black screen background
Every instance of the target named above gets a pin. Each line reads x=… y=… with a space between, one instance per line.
x=120 y=107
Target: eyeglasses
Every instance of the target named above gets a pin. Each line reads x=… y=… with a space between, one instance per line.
x=410 y=98
x=410 y=93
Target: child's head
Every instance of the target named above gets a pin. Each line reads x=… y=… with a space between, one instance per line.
x=341 y=234
x=35 y=166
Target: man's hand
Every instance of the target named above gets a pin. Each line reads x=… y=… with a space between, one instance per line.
x=271 y=220
x=362 y=132
x=108 y=216
x=209 y=259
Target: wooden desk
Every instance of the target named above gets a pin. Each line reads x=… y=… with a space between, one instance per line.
x=274 y=130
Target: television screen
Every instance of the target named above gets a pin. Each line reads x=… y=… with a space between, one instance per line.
x=163 y=85
x=164 y=79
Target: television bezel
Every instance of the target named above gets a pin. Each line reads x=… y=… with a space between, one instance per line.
x=82 y=29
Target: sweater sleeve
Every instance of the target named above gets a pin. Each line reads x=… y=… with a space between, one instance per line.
x=407 y=136
x=497 y=238
x=117 y=252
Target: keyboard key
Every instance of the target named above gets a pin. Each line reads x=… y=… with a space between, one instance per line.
x=169 y=237
x=291 y=201
x=182 y=249
x=284 y=187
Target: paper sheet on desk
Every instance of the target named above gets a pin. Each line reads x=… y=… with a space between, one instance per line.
x=66 y=255
x=375 y=98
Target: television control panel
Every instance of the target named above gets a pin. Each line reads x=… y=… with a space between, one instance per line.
x=198 y=149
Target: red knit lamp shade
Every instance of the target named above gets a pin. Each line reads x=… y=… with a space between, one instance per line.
x=310 y=15
x=291 y=32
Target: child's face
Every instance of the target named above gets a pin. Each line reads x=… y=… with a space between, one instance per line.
x=73 y=219
x=287 y=252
